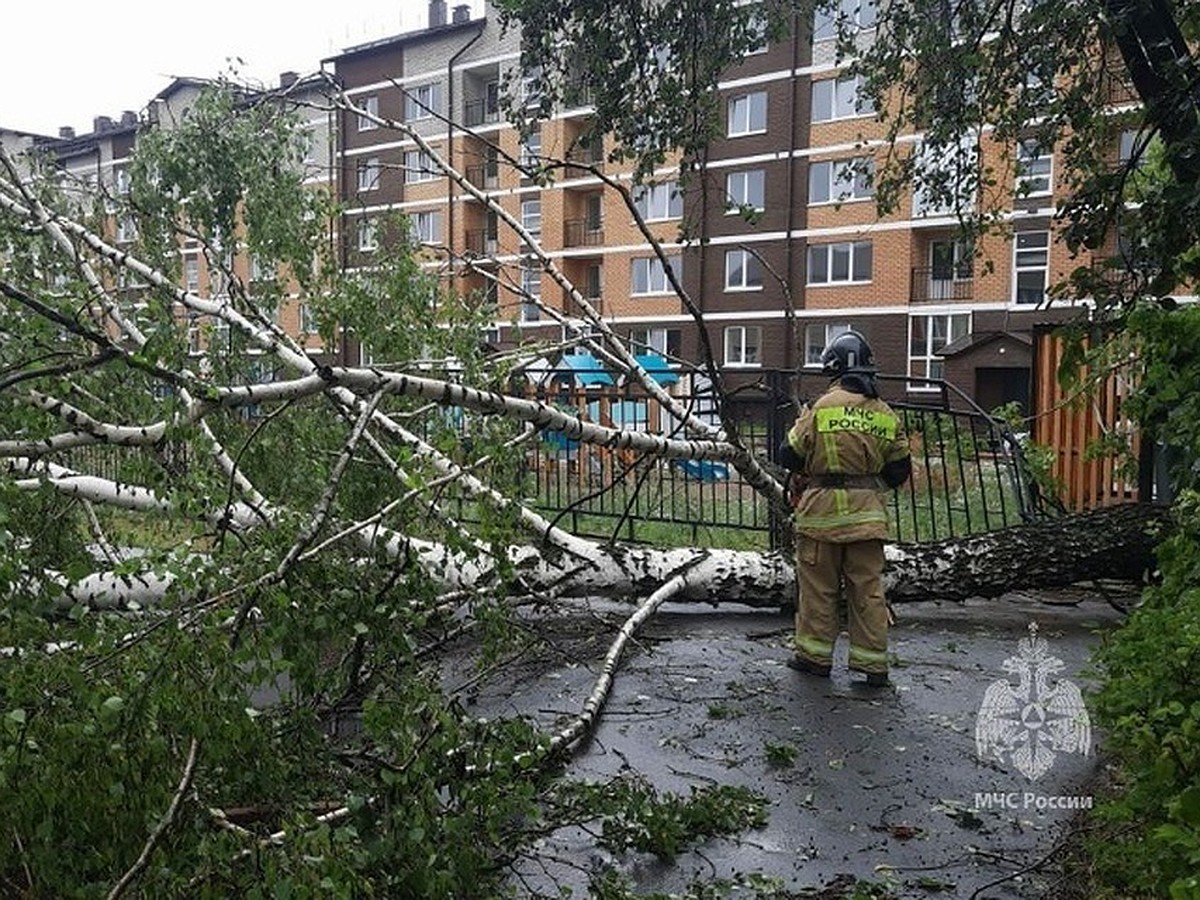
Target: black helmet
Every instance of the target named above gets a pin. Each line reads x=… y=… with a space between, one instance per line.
x=848 y=352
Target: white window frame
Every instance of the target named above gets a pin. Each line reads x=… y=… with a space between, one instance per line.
x=370 y=106
x=926 y=363
x=367 y=233
x=531 y=282
x=658 y=202
x=126 y=229
x=418 y=167
x=743 y=346
x=840 y=181
x=743 y=271
x=1035 y=169
x=531 y=151
x=745 y=190
x=122 y=183
x=426 y=226
x=845 y=100
x=1025 y=260
x=306 y=320
x=367 y=173
x=652 y=340
x=827 y=331
x=422 y=101
x=746 y=114
x=650 y=272
x=853 y=249
x=191 y=273
x=531 y=216
x=860 y=14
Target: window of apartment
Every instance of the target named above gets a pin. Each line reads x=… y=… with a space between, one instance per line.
x=758 y=27
x=817 y=338
x=421 y=102
x=747 y=114
x=368 y=238
x=368 y=173
x=743 y=271
x=1031 y=266
x=418 y=167
x=370 y=107
x=649 y=276
x=840 y=263
x=838 y=180
x=839 y=98
x=1039 y=88
x=1034 y=169
x=308 y=146
x=260 y=270
x=663 y=341
x=126 y=230
x=743 y=345
x=191 y=273
x=121 y=182
x=531 y=282
x=426 y=226
x=531 y=216
x=593 y=213
x=927 y=335
x=951 y=260
x=308 y=320
x=658 y=201
x=849 y=13
x=531 y=152
x=531 y=96
x=746 y=191
x=593 y=282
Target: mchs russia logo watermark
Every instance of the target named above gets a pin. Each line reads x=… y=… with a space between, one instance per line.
x=1028 y=725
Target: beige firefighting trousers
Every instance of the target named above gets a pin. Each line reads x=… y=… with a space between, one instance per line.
x=824 y=568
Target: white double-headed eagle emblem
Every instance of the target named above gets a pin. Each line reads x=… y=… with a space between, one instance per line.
x=1027 y=725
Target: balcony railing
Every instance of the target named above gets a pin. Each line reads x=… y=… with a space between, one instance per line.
x=480 y=243
x=582 y=233
x=587 y=156
x=481 y=112
x=939 y=284
x=486 y=177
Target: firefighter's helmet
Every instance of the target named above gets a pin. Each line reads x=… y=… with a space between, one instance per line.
x=848 y=352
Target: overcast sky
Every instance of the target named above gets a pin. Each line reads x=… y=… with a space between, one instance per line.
x=65 y=62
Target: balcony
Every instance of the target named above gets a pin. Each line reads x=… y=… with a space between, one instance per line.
x=587 y=155
x=486 y=177
x=929 y=284
x=484 y=111
x=582 y=233
x=481 y=243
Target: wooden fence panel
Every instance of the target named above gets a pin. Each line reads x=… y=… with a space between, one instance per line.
x=1073 y=422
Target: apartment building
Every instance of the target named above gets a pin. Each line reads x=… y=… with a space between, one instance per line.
x=785 y=245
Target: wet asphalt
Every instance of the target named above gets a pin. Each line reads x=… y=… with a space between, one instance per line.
x=879 y=788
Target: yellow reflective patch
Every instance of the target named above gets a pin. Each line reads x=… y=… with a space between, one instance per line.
x=856 y=418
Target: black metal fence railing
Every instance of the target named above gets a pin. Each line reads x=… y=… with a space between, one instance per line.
x=968 y=472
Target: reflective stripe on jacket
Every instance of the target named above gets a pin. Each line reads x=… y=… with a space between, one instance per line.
x=851 y=434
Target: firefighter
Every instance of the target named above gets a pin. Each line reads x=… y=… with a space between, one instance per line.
x=844 y=452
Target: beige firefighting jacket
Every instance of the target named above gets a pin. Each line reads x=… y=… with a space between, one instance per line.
x=845 y=438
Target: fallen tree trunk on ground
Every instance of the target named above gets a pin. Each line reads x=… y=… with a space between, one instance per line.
x=1115 y=542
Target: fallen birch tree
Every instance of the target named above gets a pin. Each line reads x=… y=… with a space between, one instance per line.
x=284 y=539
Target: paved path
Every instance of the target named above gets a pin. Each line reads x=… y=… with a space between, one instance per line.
x=883 y=786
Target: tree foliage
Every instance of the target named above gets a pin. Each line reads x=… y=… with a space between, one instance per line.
x=227 y=612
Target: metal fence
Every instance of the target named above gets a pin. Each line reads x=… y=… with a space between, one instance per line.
x=968 y=470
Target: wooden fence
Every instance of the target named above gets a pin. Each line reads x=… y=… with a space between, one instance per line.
x=1076 y=421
